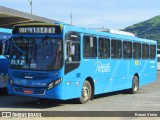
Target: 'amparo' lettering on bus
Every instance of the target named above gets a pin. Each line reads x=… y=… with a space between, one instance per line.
x=102 y=68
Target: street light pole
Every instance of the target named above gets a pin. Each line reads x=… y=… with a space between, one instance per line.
x=71 y=17
x=30 y=2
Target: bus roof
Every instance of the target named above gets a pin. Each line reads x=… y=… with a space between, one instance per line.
x=5 y=30
x=110 y=35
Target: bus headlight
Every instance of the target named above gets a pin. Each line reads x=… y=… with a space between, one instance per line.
x=54 y=83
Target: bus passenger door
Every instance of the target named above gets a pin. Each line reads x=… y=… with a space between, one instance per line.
x=72 y=60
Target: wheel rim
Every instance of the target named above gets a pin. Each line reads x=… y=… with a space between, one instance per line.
x=85 y=92
x=135 y=85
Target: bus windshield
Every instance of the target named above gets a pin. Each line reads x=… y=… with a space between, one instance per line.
x=36 y=53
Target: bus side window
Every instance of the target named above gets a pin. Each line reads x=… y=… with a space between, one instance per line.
x=145 y=51
x=1 y=47
x=72 y=51
x=103 y=48
x=152 y=51
x=4 y=47
x=116 y=48
x=89 y=46
x=127 y=49
x=136 y=50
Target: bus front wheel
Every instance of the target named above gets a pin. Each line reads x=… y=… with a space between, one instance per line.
x=135 y=85
x=86 y=92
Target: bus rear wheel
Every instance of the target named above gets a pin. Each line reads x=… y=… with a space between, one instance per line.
x=86 y=92
x=135 y=85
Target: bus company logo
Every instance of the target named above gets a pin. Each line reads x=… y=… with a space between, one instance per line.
x=102 y=68
x=6 y=114
x=28 y=77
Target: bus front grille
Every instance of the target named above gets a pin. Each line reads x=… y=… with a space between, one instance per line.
x=31 y=75
x=36 y=91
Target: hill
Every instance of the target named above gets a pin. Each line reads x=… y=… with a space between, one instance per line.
x=149 y=29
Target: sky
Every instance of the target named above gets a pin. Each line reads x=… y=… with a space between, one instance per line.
x=114 y=14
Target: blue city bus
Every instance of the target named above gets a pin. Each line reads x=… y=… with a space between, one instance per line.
x=60 y=61
x=4 y=35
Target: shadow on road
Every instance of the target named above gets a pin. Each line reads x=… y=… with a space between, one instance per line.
x=11 y=101
x=30 y=102
x=111 y=94
x=3 y=92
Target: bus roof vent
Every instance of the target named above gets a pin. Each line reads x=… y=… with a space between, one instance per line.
x=121 y=32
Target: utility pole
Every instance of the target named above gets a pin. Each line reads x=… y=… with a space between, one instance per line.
x=30 y=2
x=71 y=17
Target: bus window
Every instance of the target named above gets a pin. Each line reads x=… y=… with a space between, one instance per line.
x=5 y=48
x=73 y=51
x=136 y=50
x=36 y=54
x=103 y=48
x=1 y=47
x=145 y=51
x=152 y=51
x=158 y=61
x=127 y=49
x=90 y=46
x=72 y=47
x=158 y=51
x=116 y=49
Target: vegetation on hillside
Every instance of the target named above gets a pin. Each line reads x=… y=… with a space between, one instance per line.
x=149 y=29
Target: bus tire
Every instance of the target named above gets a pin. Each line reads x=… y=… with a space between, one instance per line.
x=135 y=85
x=86 y=92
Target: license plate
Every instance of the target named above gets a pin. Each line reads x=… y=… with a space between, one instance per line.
x=28 y=91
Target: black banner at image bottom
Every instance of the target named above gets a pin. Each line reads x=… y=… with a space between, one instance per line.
x=22 y=114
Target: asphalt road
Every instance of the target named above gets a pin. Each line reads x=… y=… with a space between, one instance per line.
x=147 y=99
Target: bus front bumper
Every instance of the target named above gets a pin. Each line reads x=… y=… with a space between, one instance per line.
x=53 y=93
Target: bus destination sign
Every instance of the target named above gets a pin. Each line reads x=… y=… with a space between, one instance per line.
x=50 y=30
x=37 y=30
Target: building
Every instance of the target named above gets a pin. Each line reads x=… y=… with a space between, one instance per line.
x=10 y=17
